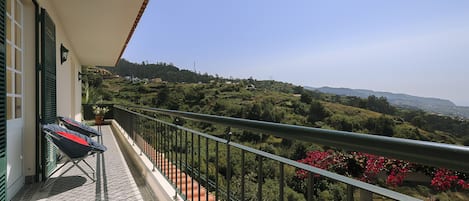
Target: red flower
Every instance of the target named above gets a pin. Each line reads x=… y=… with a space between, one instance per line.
x=444 y=179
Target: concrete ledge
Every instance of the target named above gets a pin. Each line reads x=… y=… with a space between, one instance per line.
x=158 y=184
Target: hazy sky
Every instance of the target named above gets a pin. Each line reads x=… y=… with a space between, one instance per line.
x=409 y=46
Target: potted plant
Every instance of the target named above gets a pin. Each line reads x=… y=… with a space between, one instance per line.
x=99 y=114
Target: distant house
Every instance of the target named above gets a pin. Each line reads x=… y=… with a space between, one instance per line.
x=136 y=80
x=156 y=80
x=99 y=71
x=251 y=87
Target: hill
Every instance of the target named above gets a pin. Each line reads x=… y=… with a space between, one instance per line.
x=275 y=101
x=433 y=105
x=165 y=71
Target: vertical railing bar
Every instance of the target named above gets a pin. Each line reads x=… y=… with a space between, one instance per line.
x=259 y=178
x=192 y=166
x=145 y=139
x=180 y=159
x=150 y=140
x=137 y=133
x=216 y=170
x=137 y=127
x=164 y=156
x=206 y=170
x=159 y=136
x=350 y=192
x=185 y=163
x=129 y=125
x=199 y=162
x=131 y=133
x=153 y=143
x=228 y=170
x=142 y=137
x=168 y=151
x=156 y=143
x=243 y=173
x=310 y=187
x=160 y=150
x=140 y=134
x=176 y=151
x=282 y=182
x=165 y=150
x=170 y=154
x=135 y=130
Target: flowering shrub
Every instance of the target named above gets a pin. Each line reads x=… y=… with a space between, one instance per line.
x=366 y=167
x=444 y=179
x=319 y=159
x=396 y=176
x=100 y=110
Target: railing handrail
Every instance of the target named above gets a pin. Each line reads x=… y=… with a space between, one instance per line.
x=347 y=180
x=429 y=153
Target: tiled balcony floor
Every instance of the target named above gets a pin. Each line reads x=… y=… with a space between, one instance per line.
x=114 y=180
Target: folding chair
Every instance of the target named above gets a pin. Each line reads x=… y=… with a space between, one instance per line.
x=74 y=146
x=78 y=127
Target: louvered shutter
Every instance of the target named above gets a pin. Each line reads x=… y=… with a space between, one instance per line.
x=48 y=87
x=3 y=130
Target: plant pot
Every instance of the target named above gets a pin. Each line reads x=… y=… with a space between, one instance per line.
x=99 y=119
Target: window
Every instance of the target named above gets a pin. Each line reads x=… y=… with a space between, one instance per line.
x=14 y=59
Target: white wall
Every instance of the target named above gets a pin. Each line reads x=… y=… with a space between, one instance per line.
x=29 y=142
x=20 y=144
x=22 y=141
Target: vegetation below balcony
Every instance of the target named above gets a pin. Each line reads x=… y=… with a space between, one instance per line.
x=285 y=103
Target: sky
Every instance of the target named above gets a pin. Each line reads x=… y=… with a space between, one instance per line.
x=417 y=47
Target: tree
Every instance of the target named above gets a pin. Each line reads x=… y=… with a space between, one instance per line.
x=306 y=97
x=255 y=112
x=317 y=112
x=298 y=89
x=163 y=95
x=381 y=126
x=380 y=104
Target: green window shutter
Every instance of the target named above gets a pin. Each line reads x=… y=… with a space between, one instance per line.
x=48 y=88
x=3 y=130
x=49 y=85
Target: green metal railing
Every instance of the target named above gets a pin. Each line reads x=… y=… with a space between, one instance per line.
x=169 y=145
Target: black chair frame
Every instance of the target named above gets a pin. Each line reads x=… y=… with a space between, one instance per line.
x=80 y=153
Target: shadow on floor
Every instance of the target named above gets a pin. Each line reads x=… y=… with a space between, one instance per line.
x=67 y=183
x=34 y=191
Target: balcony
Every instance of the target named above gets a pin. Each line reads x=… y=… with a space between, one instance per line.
x=175 y=162
x=114 y=180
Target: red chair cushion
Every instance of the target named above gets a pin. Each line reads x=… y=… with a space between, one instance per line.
x=74 y=138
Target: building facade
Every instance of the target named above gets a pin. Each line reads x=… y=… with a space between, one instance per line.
x=44 y=44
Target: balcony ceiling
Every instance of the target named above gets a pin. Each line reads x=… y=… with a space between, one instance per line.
x=98 y=30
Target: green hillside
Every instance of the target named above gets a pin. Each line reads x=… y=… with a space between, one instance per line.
x=284 y=103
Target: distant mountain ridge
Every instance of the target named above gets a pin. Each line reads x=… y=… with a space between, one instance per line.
x=435 y=105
